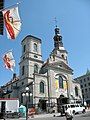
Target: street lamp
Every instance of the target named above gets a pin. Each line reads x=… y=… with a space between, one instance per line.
x=27 y=94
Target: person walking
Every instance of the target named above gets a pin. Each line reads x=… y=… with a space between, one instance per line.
x=69 y=115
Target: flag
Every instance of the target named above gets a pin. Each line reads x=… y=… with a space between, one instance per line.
x=56 y=85
x=9 y=60
x=12 y=22
x=65 y=85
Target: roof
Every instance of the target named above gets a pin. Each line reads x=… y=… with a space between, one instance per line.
x=82 y=76
x=55 y=65
x=10 y=82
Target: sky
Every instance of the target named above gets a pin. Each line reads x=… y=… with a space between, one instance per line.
x=38 y=19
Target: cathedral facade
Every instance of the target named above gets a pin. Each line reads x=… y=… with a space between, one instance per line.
x=50 y=81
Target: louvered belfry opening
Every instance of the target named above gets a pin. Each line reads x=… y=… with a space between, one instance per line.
x=1 y=17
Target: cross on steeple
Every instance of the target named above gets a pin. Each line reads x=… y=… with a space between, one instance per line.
x=55 y=19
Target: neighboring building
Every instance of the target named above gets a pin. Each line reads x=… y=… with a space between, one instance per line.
x=1 y=93
x=84 y=81
x=50 y=82
x=10 y=89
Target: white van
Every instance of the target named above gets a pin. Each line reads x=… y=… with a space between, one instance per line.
x=71 y=109
x=75 y=108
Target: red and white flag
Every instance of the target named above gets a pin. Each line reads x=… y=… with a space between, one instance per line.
x=9 y=60
x=12 y=22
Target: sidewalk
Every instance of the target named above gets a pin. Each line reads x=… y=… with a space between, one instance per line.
x=49 y=115
x=45 y=115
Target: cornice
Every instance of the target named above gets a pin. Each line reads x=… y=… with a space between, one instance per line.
x=31 y=36
x=32 y=59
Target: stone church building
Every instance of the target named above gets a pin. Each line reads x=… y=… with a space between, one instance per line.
x=50 y=81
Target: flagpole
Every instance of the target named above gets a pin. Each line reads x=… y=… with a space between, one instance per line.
x=10 y=6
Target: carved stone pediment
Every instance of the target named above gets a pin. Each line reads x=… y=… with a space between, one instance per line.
x=60 y=64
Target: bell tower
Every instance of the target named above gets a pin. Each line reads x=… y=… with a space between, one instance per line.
x=57 y=39
x=31 y=58
x=59 y=52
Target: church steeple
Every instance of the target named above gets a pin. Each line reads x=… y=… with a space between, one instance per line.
x=57 y=39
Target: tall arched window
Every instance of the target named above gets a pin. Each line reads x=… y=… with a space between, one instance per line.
x=60 y=82
x=24 y=48
x=41 y=87
x=76 y=91
x=35 y=47
x=23 y=70
x=35 y=68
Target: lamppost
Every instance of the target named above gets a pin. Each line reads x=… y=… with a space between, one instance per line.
x=27 y=94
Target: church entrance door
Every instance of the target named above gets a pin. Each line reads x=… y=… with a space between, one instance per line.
x=61 y=101
x=42 y=104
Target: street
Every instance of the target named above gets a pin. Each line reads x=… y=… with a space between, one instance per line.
x=85 y=116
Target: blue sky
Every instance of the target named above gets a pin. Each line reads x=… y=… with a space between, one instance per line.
x=37 y=17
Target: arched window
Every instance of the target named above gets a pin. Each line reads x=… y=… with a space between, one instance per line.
x=35 y=47
x=35 y=68
x=23 y=70
x=35 y=56
x=60 y=82
x=41 y=87
x=63 y=56
x=24 y=48
x=76 y=91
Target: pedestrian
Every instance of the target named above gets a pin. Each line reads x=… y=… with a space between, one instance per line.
x=69 y=115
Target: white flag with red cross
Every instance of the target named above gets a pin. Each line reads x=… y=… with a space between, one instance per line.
x=12 y=22
x=9 y=60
